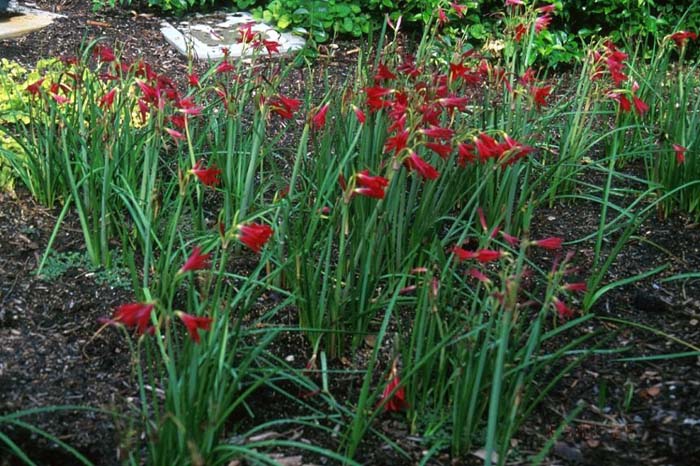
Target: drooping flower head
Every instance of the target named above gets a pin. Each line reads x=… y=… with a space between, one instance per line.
x=370 y=186
x=319 y=119
x=254 y=235
x=196 y=261
x=680 y=153
x=208 y=176
x=194 y=323
x=395 y=397
x=134 y=315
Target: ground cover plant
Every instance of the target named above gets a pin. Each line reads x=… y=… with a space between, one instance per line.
x=396 y=218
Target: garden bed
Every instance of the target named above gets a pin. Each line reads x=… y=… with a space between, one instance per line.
x=53 y=351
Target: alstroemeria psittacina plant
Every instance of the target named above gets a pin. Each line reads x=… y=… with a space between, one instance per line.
x=370 y=186
x=196 y=261
x=194 y=323
x=208 y=176
x=133 y=315
x=254 y=235
x=394 y=395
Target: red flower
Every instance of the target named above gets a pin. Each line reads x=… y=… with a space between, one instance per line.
x=680 y=153
x=397 y=142
x=60 y=99
x=465 y=153
x=459 y=9
x=395 y=397
x=284 y=106
x=193 y=80
x=443 y=150
x=35 y=87
x=196 y=261
x=175 y=135
x=375 y=97
x=383 y=73
x=246 y=32
x=107 y=100
x=452 y=102
x=579 y=286
x=359 y=114
x=319 y=120
x=134 y=315
x=548 y=243
x=438 y=132
x=640 y=106
x=225 y=67
x=208 y=176
x=271 y=46
x=482 y=277
x=520 y=31
x=482 y=255
x=542 y=22
x=415 y=162
x=103 y=53
x=681 y=37
x=539 y=95
x=370 y=186
x=194 y=323
x=254 y=235
x=562 y=309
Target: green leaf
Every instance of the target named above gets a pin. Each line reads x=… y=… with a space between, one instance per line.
x=284 y=21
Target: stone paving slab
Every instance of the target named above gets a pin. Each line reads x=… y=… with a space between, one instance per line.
x=21 y=20
x=204 y=37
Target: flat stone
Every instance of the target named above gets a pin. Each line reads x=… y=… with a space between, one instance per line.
x=19 y=20
x=204 y=37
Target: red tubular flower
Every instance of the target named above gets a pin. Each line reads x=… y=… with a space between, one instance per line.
x=640 y=106
x=680 y=153
x=60 y=99
x=681 y=37
x=539 y=95
x=562 y=309
x=397 y=142
x=196 y=261
x=272 y=46
x=458 y=9
x=134 y=315
x=542 y=22
x=520 y=31
x=254 y=235
x=453 y=102
x=175 y=134
x=482 y=277
x=443 y=150
x=488 y=147
x=376 y=97
x=359 y=114
x=107 y=100
x=194 y=323
x=370 y=186
x=383 y=73
x=482 y=255
x=579 y=286
x=395 y=397
x=246 y=33
x=208 y=176
x=103 y=53
x=415 y=162
x=551 y=242
x=193 y=80
x=225 y=67
x=319 y=120
x=284 y=106
x=438 y=132
x=465 y=154
x=35 y=87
